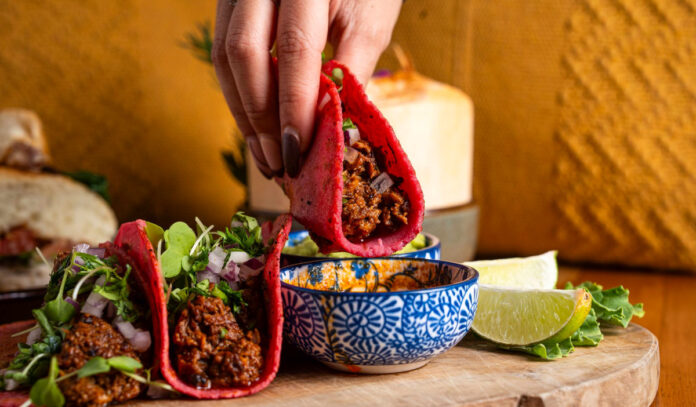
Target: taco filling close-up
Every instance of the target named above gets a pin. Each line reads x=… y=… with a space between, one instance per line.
x=372 y=203
x=91 y=338
x=221 y=330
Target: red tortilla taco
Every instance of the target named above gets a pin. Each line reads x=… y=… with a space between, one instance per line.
x=216 y=305
x=357 y=191
x=90 y=343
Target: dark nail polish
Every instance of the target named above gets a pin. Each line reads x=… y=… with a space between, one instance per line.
x=291 y=151
x=265 y=171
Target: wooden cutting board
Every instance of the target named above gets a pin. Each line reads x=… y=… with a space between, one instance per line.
x=623 y=370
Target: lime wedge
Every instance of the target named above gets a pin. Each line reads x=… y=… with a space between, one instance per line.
x=512 y=316
x=519 y=272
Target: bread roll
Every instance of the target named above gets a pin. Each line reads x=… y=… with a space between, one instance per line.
x=22 y=143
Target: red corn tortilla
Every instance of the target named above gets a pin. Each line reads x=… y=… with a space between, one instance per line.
x=140 y=254
x=317 y=192
x=276 y=234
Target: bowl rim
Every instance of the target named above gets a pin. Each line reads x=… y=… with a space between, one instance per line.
x=432 y=240
x=472 y=279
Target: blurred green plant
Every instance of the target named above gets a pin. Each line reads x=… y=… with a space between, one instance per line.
x=200 y=43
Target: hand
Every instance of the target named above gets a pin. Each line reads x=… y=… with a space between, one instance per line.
x=272 y=114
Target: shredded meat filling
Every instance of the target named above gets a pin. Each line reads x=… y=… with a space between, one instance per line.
x=365 y=211
x=92 y=336
x=210 y=348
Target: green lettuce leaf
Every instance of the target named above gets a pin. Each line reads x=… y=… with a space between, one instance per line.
x=611 y=306
x=546 y=350
x=588 y=334
x=179 y=239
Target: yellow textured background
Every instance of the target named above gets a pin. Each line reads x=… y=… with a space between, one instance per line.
x=119 y=95
x=585 y=127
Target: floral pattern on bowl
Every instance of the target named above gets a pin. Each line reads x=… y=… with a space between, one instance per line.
x=379 y=315
x=431 y=251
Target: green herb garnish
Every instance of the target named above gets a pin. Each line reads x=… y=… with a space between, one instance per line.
x=179 y=239
x=348 y=124
x=45 y=392
x=244 y=235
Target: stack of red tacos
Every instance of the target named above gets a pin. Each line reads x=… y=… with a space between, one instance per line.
x=317 y=195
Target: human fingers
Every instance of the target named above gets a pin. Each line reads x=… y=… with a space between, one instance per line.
x=302 y=31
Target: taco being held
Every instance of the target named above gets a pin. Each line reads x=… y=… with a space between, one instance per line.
x=357 y=191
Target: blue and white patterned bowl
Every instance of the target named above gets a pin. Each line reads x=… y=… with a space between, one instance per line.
x=351 y=315
x=431 y=250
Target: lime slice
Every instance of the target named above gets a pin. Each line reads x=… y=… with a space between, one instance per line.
x=512 y=316
x=519 y=272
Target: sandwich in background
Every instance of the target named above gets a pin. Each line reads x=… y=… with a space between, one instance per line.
x=39 y=207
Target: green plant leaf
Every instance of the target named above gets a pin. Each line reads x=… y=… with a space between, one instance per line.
x=45 y=392
x=179 y=239
x=124 y=363
x=611 y=306
x=589 y=333
x=546 y=351
x=154 y=232
x=200 y=42
x=96 y=365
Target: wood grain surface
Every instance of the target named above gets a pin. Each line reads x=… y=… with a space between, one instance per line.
x=474 y=367
x=624 y=371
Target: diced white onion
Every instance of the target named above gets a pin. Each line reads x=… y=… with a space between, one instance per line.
x=97 y=251
x=95 y=303
x=351 y=136
x=34 y=335
x=216 y=260
x=208 y=275
x=231 y=272
x=140 y=339
x=239 y=257
x=126 y=328
x=81 y=248
x=382 y=182
x=324 y=101
x=350 y=155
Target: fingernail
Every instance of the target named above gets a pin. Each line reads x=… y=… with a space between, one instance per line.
x=271 y=150
x=291 y=151
x=256 y=151
x=265 y=171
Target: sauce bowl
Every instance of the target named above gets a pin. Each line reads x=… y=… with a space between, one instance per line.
x=377 y=315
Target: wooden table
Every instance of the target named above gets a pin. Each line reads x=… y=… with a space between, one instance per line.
x=670 y=304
